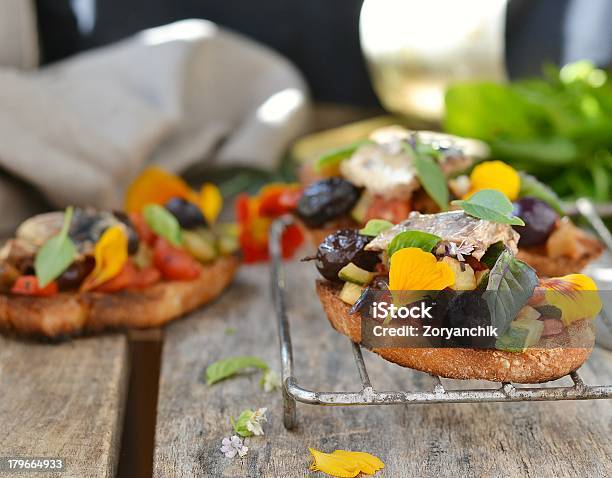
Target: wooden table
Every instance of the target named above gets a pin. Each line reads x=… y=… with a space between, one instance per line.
x=67 y=400
x=519 y=439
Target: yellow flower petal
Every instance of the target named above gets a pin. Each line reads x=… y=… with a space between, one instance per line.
x=154 y=186
x=334 y=465
x=111 y=254
x=413 y=269
x=575 y=295
x=495 y=175
x=368 y=464
x=210 y=202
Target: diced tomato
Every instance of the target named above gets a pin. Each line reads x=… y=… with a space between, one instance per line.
x=121 y=281
x=174 y=263
x=242 y=207
x=28 y=285
x=394 y=210
x=130 y=277
x=146 y=277
x=145 y=234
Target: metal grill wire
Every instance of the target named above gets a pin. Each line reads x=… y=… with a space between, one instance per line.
x=507 y=392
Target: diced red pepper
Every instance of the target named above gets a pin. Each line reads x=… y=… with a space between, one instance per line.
x=174 y=263
x=291 y=241
x=28 y=285
x=278 y=199
x=146 y=277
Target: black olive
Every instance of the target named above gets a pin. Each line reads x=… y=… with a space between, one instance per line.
x=539 y=218
x=187 y=213
x=342 y=247
x=72 y=277
x=326 y=200
x=131 y=230
x=466 y=310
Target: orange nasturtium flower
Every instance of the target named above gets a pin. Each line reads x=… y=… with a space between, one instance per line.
x=343 y=463
x=414 y=269
x=111 y=254
x=155 y=186
x=575 y=295
x=495 y=175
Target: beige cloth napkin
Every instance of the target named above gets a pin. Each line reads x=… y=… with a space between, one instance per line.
x=80 y=130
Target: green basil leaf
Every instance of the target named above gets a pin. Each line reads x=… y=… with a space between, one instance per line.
x=229 y=367
x=511 y=284
x=375 y=226
x=56 y=255
x=420 y=239
x=432 y=179
x=492 y=254
x=490 y=205
x=335 y=156
x=163 y=223
x=240 y=425
x=530 y=186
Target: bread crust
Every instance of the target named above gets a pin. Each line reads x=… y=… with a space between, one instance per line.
x=72 y=313
x=535 y=365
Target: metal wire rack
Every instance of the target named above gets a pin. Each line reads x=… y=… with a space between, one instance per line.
x=506 y=392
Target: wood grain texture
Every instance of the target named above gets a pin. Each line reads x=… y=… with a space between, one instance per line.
x=561 y=439
x=64 y=401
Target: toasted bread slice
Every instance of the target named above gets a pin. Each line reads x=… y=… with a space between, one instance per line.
x=72 y=313
x=535 y=365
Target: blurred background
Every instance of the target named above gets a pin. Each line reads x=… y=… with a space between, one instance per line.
x=103 y=88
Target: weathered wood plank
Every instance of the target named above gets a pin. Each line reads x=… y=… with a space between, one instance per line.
x=64 y=401
x=521 y=439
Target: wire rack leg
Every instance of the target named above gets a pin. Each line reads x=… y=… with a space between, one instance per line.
x=289 y=411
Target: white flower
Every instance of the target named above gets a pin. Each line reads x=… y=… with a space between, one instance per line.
x=232 y=446
x=254 y=423
x=270 y=380
x=452 y=249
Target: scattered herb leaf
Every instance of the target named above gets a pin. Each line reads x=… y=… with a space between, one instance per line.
x=375 y=226
x=511 y=285
x=335 y=156
x=163 y=223
x=490 y=205
x=56 y=255
x=229 y=367
x=430 y=176
x=420 y=239
x=492 y=254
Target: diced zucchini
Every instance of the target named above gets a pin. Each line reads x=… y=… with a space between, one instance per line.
x=359 y=211
x=227 y=245
x=527 y=313
x=200 y=246
x=144 y=256
x=350 y=293
x=481 y=277
x=355 y=274
x=227 y=238
x=464 y=274
x=522 y=334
